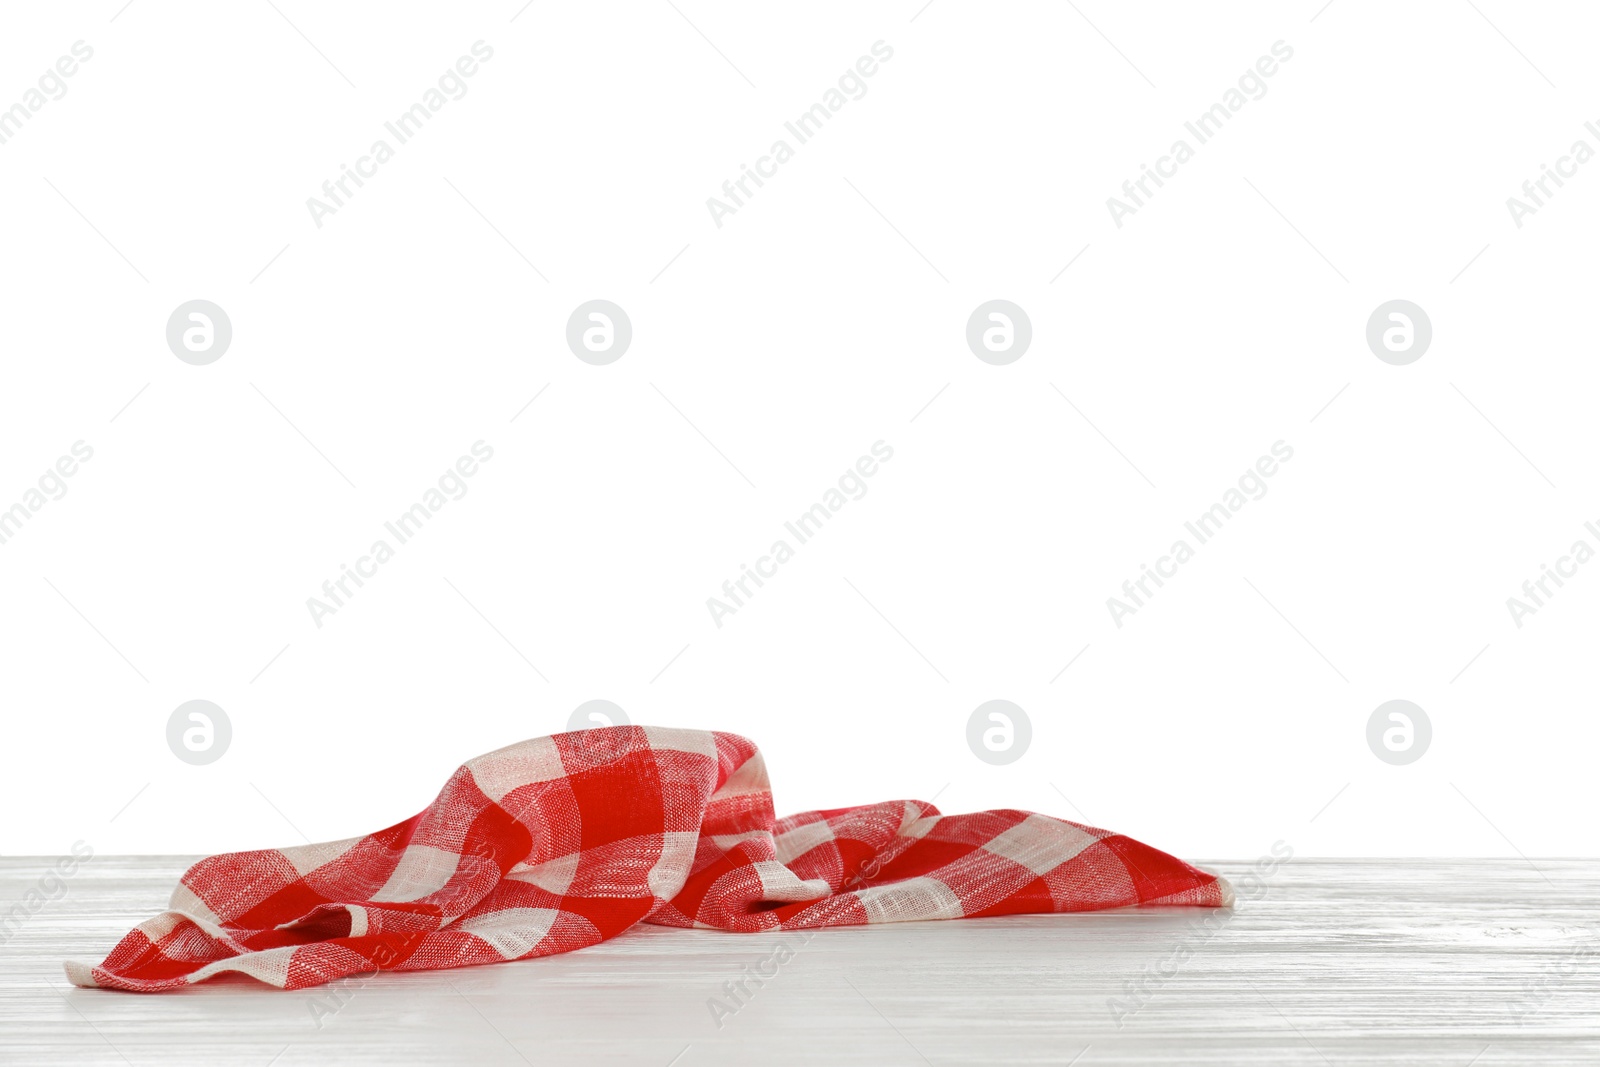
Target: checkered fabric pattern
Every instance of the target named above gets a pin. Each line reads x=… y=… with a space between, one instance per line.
x=561 y=842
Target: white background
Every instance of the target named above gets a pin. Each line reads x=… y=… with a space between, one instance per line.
x=822 y=317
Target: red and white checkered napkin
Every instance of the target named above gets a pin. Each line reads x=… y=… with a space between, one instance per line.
x=562 y=842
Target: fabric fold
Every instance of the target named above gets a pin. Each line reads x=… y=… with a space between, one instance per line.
x=561 y=842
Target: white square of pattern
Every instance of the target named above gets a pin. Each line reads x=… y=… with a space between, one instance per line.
x=423 y=869
x=1040 y=843
x=909 y=901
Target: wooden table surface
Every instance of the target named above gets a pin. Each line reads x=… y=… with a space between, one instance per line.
x=1439 y=962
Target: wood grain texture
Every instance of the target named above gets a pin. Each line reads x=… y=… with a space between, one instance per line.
x=1480 y=962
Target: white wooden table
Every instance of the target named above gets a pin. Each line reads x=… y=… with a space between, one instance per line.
x=1481 y=962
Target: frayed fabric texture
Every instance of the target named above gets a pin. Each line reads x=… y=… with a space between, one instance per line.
x=562 y=842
